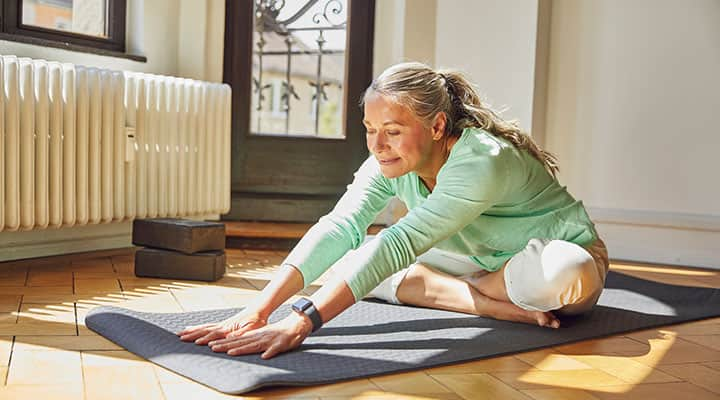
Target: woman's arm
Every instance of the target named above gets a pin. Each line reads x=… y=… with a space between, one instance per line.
x=345 y=227
x=326 y=242
x=285 y=284
x=332 y=299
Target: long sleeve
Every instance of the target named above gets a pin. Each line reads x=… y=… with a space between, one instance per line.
x=473 y=180
x=345 y=227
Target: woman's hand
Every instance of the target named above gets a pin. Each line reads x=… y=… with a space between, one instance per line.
x=234 y=326
x=270 y=340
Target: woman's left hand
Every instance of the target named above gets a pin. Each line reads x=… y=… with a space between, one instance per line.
x=270 y=340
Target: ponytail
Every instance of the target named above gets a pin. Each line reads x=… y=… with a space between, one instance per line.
x=467 y=110
x=427 y=92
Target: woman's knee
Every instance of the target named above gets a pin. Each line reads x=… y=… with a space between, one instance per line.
x=551 y=274
x=564 y=262
x=387 y=289
x=415 y=279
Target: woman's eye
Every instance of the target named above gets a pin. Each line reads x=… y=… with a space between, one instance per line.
x=393 y=133
x=369 y=132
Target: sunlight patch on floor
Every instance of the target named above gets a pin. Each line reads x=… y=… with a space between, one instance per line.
x=601 y=373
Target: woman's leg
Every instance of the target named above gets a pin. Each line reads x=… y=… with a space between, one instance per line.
x=427 y=287
x=547 y=275
x=556 y=275
x=491 y=284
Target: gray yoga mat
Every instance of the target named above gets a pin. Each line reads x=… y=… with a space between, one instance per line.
x=373 y=338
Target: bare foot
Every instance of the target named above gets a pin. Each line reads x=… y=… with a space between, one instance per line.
x=510 y=312
x=546 y=319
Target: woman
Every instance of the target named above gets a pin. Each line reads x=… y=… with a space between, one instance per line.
x=489 y=230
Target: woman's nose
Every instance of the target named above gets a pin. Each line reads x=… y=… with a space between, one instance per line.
x=379 y=142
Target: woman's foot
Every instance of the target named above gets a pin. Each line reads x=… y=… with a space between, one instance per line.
x=492 y=285
x=507 y=311
x=545 y=319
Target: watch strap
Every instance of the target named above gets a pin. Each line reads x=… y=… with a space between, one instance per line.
x=306 y=306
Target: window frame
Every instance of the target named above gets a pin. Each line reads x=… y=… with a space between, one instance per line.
x=115 y=42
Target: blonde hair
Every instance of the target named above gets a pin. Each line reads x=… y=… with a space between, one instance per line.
x=426 y=92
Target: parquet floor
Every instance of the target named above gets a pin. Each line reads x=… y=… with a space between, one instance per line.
x=46 y=352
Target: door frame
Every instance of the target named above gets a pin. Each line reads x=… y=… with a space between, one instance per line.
x=237 y=64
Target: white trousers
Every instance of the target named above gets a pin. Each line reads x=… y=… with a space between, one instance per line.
x=546 y=275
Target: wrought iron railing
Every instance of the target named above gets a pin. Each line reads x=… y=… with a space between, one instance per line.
x=330 y=17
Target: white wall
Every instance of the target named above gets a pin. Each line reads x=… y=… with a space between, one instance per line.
x=633 y=100
x=201 y=39
x=404 y=31
x=493 y=42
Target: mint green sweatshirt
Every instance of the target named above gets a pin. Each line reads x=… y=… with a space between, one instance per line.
x=490 y=199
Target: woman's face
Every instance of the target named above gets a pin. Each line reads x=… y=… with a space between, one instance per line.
x=396 y=137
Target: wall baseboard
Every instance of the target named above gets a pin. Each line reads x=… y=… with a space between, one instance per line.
x=67 y=240
x=660 y=237
x=76 y=239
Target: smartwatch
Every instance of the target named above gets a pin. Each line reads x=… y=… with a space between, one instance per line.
x=305 y=306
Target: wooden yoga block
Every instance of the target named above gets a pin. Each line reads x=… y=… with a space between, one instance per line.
x=182 y=235
x=155 y=263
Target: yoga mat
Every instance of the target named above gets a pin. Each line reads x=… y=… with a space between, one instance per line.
x=372 y=337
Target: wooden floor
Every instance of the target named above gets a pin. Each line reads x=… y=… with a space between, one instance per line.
x=46 y=352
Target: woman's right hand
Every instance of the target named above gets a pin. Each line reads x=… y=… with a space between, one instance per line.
x=231 y=327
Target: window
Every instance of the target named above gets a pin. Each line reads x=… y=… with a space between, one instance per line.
x=298 y=68
x=276 y=99
x=74 y=24
x=300 y=44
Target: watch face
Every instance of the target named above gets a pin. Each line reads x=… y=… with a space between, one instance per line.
x=302 y=304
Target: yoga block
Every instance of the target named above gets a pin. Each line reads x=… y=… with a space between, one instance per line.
x=182 y=235
x=155 y=263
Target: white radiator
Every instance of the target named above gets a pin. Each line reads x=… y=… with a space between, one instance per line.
x=84 y=145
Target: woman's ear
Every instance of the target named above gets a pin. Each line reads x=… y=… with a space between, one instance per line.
x=438 y=126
